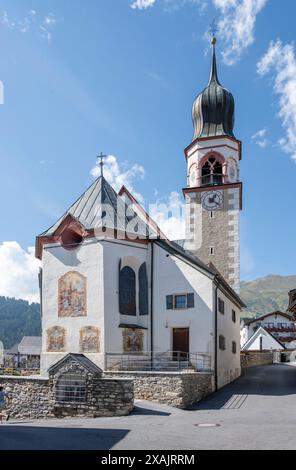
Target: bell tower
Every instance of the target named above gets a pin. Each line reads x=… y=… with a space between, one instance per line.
x=214 y=192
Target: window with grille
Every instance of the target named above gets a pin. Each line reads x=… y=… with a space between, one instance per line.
x=71 y=388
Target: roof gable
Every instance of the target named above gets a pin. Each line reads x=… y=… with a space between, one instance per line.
x=262 y=331
x=262 y=317
x=81 y=359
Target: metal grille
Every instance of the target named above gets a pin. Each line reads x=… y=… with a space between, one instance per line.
x=71 y=388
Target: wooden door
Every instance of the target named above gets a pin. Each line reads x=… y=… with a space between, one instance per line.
x=181 y=343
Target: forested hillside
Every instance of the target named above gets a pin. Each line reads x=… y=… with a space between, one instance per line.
x=18 y=318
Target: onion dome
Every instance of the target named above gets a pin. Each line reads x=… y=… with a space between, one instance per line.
x=213 y=109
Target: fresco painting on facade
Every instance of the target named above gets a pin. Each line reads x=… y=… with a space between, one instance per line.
x=90 y=339
x=132 y=340
x=72 y=295
x=56 y=339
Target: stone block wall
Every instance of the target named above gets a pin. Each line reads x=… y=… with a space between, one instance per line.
x=179 y=389
x=256 y=359
x=34 y=398
x=106 y=397
x=29 y=398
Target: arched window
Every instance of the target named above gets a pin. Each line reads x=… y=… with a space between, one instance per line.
x=127 y=291
x=211 y=172
x=71 y=388
x=143 y=290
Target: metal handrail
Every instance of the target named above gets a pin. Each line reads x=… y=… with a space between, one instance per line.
x=160 y=360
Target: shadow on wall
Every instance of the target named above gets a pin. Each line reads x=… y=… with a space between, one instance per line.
x=52 y=438
x=268 y=380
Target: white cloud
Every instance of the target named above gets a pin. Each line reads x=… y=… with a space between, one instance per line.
x=47 y=26
x=261 y=133
x=237 y=26
x=173 y=5
x=31 y=22
x=280 y=61
x=119 y=175
x=169 y=214
x=169 y=5
x=18 y=272
x=142 y=4
x=260 y=139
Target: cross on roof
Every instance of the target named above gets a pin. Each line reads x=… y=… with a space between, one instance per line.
x=101 y=157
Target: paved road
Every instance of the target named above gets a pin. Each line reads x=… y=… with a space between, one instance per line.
x=258 y=411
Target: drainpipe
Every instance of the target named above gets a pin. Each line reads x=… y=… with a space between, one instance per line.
x=216 y=333
x=151 y=302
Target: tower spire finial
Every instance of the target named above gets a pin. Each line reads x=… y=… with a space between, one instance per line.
x=214 y=30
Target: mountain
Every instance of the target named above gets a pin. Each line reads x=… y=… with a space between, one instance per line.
x=18 y=318
x=266 y=294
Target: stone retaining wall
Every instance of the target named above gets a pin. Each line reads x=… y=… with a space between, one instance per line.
x=179 y=389
x=256 y=359
x=34 y=398
x=29 y=398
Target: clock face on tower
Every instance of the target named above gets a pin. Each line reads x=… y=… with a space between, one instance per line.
x=212 y=200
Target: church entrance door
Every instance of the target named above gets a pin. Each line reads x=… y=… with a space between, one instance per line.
x=181 y=343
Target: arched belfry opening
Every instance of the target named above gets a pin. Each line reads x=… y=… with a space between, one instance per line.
x=212 y=171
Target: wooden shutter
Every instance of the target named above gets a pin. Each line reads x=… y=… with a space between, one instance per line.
x=190 y=300
x=169 y=302
x=143 y=290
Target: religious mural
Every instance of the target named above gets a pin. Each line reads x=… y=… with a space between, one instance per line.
x=56 y=339
x=89 y=339
x=132 y=340
x=72 y=295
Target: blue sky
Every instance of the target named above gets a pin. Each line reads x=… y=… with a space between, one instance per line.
x=84 y=77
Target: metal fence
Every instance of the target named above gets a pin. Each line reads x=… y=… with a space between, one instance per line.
x=71 y=388
x=158 y=361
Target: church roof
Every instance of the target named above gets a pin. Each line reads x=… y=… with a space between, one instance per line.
x=213 y=109
x=100 y=206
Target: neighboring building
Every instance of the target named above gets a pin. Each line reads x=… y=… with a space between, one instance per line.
x=279 y=325
x=262 y=340
x=25 y=355
x=113 y=287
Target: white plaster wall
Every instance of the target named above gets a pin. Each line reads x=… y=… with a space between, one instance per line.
x=268 y=343
x=174 y=276
x=228 y=362
x=133 y=255
x=87 y=260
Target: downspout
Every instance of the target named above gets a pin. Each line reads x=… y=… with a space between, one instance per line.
x=216 y=333
x=151 y=302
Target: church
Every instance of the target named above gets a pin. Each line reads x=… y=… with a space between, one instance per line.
x=113 y=286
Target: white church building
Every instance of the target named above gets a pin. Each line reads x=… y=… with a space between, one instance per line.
x=113 y=287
